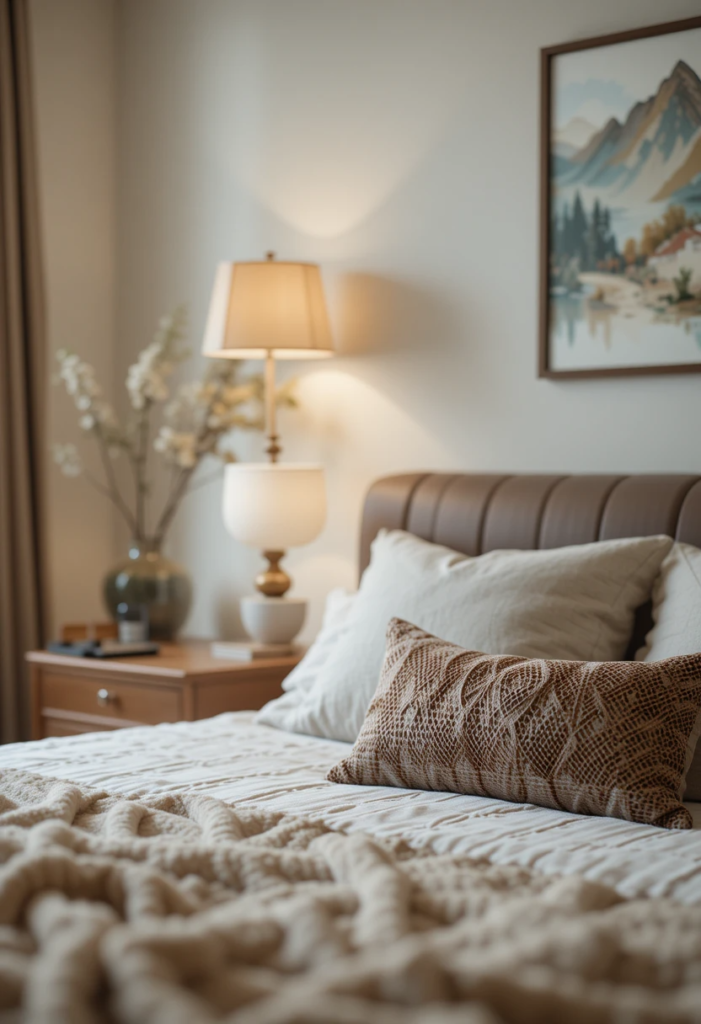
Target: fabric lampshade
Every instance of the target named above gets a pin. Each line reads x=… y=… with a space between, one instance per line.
x=274 y=507
x=267 y=308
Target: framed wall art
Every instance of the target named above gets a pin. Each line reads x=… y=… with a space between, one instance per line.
x=620 y=260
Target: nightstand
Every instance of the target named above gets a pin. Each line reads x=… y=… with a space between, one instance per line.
x=181 y=683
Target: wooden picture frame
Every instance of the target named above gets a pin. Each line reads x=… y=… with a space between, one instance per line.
x=583 y=331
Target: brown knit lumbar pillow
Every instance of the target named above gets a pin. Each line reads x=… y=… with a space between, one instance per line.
x=591 y=737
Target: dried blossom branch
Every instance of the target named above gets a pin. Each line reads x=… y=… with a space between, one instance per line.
x=195 y=422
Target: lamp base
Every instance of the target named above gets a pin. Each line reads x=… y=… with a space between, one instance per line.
x=273 y=581
x=273 y=620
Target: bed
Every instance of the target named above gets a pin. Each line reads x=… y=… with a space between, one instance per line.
x=260 y=771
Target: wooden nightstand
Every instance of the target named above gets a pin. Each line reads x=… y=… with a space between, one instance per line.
x=181 y=683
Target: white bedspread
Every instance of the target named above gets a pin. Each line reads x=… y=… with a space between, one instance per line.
x=174 y=909
x=252 y=765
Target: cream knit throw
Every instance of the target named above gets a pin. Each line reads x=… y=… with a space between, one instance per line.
x=180 y=909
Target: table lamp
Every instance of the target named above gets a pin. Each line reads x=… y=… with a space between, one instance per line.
x=263 y=310
x=266 y=310
x=273 y=508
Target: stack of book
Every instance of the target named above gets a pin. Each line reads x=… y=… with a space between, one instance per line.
x=248 y=650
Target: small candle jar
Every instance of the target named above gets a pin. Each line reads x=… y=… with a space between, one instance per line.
x=132 y=622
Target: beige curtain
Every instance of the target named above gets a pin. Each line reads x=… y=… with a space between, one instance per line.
x=22 y=377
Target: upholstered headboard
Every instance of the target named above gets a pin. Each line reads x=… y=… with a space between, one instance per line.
x=477 y=512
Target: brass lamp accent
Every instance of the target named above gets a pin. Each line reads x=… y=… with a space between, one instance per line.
x=273 y=449
x=273 y=581
x=268 y=309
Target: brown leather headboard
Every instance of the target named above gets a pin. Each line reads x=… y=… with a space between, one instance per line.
x=476 y=512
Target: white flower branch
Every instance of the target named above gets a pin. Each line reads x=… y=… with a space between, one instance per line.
x=195 y=422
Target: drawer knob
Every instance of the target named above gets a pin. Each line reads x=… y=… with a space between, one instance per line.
x=104 y=697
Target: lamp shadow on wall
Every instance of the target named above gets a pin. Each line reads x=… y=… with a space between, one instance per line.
x=393 y=339
x=381 y=315
x=227 y=616
x=243 y=563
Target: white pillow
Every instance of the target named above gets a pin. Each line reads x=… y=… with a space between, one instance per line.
x=573 y=603
x=281 y=711
x=676 y=613
x=676 y=607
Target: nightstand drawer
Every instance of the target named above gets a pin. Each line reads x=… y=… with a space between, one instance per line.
x=60 y=727
x=118 y=701
x=182 y=683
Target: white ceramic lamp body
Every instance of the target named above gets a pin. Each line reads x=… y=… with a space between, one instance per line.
x=273 y=620
x=273 y=508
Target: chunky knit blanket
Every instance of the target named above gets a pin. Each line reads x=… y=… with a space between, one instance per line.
x=181 y=909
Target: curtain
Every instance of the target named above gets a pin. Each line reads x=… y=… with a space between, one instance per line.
x=22 y=377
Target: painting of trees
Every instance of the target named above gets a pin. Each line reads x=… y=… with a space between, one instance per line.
x=585 y=238
x=674 y=218
x=630 y=251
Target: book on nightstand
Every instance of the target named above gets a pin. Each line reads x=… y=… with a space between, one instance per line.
x=248 y=650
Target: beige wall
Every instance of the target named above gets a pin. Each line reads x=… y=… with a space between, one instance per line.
x=395 y=142
x=73 y=43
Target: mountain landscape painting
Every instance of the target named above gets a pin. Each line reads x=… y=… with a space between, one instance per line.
x=621 y=286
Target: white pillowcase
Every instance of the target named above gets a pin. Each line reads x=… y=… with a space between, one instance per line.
x=281 y=711
x=676 y=607
x=676 y=613
x=573 y=603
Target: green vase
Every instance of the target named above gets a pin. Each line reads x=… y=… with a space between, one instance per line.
x=147 y=578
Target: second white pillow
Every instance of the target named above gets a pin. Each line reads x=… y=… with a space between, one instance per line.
x=676 y=612
x=676 y=607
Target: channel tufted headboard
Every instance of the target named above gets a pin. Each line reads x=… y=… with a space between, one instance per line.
x=477 y=512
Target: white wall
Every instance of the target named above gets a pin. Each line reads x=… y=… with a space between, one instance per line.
x=74 y=83
x=396 y=143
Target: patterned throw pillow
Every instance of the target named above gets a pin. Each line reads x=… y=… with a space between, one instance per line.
x=591 y=737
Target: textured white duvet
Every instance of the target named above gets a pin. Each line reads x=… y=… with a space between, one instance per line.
x=252 y=765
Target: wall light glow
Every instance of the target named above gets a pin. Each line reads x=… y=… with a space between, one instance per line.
x=318 y=137
x=344 y=414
